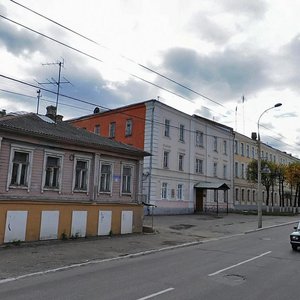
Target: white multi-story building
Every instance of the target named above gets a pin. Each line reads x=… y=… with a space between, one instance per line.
x=190 y=168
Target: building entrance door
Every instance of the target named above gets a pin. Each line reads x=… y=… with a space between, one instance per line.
x=199 y=200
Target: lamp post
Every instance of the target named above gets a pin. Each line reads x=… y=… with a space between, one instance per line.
x=259 y=199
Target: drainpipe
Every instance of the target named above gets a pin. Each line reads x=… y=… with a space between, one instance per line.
x=151 y=152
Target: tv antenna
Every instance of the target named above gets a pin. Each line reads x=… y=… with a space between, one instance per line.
x=57 y=82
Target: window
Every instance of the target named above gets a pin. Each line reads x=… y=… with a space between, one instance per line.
x=52 y=171
x=242 y=149
x=112 y=129
x=215 y=146
x=180 y=191
x=164 y=190
x=253 y=196
x=248 y=196
x=237 y=195
x=20 y=167
x=243 y=171
x=243 y=195
x=225 y=147
x=236 y=169
x=180 y=162
x=248 y=150
x=166 y=159
x=199 y=138
x=81 y=174
x=236 y=147
x=106 y=178
x=167 y=128
x=181 y=133
x=253 y=152
x=225 y=171
x=215 y=195
x=128 y=129
x=127 y=180
x=225 y=196
x=97 y=129
x=215 y=169
x=199 y=166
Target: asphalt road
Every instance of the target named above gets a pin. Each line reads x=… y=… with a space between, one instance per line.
x=257 y=265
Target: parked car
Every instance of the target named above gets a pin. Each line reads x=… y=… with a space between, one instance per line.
x=295 y=237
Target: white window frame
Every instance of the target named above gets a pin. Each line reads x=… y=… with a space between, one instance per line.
x=60 y=156
x=104 y=162
x=242 y=149
x=128 y=127
x=88 y=161
x=112 y=129
x=164 y=190
x=166 y=156
x=128 y=193
x=199 y=138
x=236 y=169
x=225 y=147
x=199 y=166
x=215 y=144
x=215 y=169
x=97 y=129
x=181 y=133
x=24 y=149
x=167 y=128
x=179 y=193
x=236 y=147
x=225 y=171
x=180 y=161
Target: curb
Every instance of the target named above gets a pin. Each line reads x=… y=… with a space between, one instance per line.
x=271 y=226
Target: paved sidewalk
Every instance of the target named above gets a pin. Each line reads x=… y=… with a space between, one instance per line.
x=170 y=231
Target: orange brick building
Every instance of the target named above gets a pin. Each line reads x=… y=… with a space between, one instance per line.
x=117 y=124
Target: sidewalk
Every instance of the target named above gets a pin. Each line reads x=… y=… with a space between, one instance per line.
x=169 y=231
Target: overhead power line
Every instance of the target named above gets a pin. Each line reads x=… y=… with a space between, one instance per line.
x=123 y=56
x=109 y=109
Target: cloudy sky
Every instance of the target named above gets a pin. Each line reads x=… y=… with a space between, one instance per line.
x=198 y=56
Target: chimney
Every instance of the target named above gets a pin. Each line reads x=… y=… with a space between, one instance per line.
x=2 y=113
x=51 y=113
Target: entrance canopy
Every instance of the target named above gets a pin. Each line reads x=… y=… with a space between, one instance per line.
x=211 y=186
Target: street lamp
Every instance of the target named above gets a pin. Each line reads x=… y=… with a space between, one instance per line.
x=259 y=199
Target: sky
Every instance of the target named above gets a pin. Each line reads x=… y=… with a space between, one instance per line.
x=226 y=60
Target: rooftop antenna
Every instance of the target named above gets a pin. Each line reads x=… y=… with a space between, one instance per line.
x=243 y=101
x=56 y=82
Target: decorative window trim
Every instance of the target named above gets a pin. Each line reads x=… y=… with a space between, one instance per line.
x=127 y=165
x=18 y=148
x=57 y=154
x=106 y=162
x=88 y=160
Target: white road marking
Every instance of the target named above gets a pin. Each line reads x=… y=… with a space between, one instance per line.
x=240 y=263
x=156 y=294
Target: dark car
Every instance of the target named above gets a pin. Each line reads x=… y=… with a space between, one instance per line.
x=295 y=237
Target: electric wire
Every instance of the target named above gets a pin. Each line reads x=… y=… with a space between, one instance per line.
x=99 y=60
x=123 y=56
x=127 y=114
